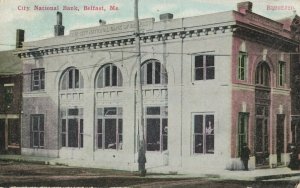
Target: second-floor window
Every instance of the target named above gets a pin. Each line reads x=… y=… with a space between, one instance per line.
x=8 y=96
x=153 y=72
x=72 y=79
x=204 y=66
x=38 y=79
x=109 y=76
x=242 y=67
x=281 y=73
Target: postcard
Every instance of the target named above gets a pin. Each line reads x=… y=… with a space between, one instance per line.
x=164 y=93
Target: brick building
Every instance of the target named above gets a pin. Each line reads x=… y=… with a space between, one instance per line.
x=210 y=83
x=10 y=102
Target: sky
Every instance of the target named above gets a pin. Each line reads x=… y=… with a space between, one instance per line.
x=39 y=24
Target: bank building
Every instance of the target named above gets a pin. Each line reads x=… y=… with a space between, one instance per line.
x=210 y=83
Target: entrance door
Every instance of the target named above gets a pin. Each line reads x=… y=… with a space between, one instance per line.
x=261 y=136
x=2 y=135
x=280 y=137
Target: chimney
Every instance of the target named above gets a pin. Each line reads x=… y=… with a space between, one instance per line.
x=20 y=38
x=244 y=7
x=102 y=22
x=59 y=29
x=166 y=16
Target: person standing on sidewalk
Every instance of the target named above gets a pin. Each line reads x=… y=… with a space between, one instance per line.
x=245 y=153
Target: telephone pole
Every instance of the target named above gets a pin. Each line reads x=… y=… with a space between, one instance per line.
x=142 y=149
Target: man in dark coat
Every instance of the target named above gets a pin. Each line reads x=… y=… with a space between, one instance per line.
x=245 y=153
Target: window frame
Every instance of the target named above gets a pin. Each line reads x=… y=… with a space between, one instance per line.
x=160 y=78
x=119 y=127
x=242 y=70
x=102 y=81
x=66 y=116
x=243 y=117
x=204 y=134
x=41 y=122
x=40 y=81
x=8 y=96
x=204 y=68
x=281 y=73
x=263 y=74
x=163 y=135
x=74 y=85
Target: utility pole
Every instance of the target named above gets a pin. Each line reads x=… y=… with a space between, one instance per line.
x=142 y=149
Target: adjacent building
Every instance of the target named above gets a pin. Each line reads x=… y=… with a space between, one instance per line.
x=210 y=83
x=10 y=102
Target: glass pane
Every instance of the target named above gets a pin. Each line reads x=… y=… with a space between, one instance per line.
x=153 y=110
x=63 y=140
x=209 y=143
x=210 y=61
x=73 y=112
x=120 y=126
x=165 y=133
x=209 y=124
x=110 y=111
x=42 y=74
x=73 y=133
x=157 y=72
x=120 y=141
x=41 y=126
x=149 y=73
x=99 y=141
x=81 y=140
x=42 y=84
x=199 y=61
x=81 y=125
x=198 y=124
x=107 y=76
x=99 y=127
x=71 y=78
x=199 y=75
x=36 y=139
x=210 y=73
x=114 y=75
x=76 y=78
x=100 y=79
x=42 y=139
x=120 y=78
x=63 y=125
x=198 y=144
x=35 y=123
x=153 y=134
x=110 y=133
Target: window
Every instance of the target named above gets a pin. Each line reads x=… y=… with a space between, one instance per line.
x=153 y=72
x=204 y=67
x=242 y=68
x=72 y=127
x=281 y=73
x=8 y=96
x=109 y=76
x=37 y=131
x=38 y=79
x=109 y=130
x=242 y=130
x=262 y=74
x=72 y=79
x=204 y=133
x=157 y=128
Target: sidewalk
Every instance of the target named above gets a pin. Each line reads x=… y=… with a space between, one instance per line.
x=252 y=175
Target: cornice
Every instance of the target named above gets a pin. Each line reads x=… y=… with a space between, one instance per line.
x=125 y=41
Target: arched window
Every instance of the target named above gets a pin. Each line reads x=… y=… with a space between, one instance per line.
x=153 y=72
x=71 y=79
x=109 y=76
x=262 y=74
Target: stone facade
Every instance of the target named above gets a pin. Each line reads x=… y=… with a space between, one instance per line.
x=205 y=81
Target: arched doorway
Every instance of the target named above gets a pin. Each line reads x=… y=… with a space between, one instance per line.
x=262 y=113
